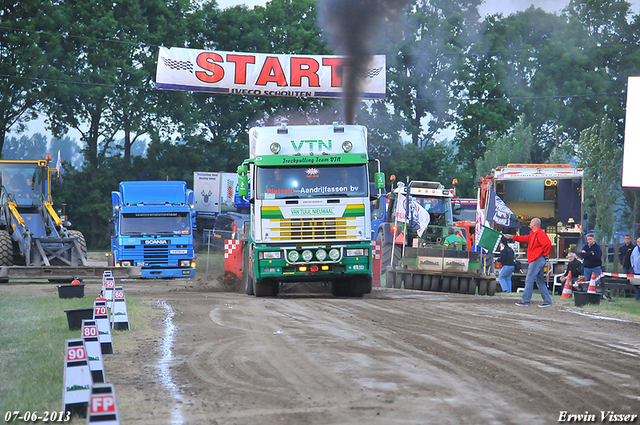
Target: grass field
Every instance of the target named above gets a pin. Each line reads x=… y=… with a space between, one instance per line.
x=33 y=331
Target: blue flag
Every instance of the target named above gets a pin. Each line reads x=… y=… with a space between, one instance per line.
x=499 y=213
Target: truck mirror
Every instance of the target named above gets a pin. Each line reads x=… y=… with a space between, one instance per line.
x=456 y=208
x=243 y=185
x=379 y=177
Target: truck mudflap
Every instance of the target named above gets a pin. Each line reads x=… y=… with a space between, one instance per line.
x=66 y=272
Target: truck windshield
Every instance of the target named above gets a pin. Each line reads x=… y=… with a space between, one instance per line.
x=439 y=210
x=311 y=182
x=24 y=181
x=145 y=224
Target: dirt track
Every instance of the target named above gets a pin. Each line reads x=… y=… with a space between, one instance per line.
x=392 y=357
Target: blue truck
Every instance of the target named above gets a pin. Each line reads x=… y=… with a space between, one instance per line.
x=152 y=228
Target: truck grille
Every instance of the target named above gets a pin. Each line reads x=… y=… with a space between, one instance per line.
x=312 y=229
x=156 y=255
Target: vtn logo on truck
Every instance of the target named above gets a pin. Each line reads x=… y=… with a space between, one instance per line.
x=322 y=145
x=156 y=242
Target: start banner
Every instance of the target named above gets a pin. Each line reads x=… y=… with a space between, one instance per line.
x=263 y=74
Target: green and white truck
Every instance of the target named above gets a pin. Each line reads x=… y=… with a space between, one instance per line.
x=310 y=217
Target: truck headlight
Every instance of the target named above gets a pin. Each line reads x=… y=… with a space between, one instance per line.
x=270 y=255
x=185 y=263
x=358 y=252
x=334 y=254
x=293 y=256
x=307 y=255
x=321 y=254
x=125 y=263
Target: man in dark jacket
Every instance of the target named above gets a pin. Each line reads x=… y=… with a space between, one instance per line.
x=592 y=258
x=625 y=255
x=575 y=267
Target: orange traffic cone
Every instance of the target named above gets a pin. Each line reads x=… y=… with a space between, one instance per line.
x=592 y=287
x=566 y=291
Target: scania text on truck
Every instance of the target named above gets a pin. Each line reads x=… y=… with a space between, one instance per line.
x=309 y=208
x=152 y=228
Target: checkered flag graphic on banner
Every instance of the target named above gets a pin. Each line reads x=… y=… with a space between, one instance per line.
x=230 y=245
x=373 y=72
x=178 y=65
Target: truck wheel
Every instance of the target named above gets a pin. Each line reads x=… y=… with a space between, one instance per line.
x=426 y=282
x=248 y=281
x=464 y=285
x=482 y=288
x=446 y=283
x=435 y=283
x=6 y=249
x=491 y=288
x=453 y=288
x=339 y=288
x=408 y=281
x=386 y=254
x=472 y=286
x=363 y=285
x=265 y=288
x=76 y=234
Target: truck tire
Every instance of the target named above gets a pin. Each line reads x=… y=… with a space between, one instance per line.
x=386 y=254
x=491 y=288
x=6 y=249
x=482 y=288
x=446 y=283
x=76 y=234
x=248 y=280
x=363 y=285
x=265 y=288
x=464 y=285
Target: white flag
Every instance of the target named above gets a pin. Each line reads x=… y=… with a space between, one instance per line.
x=59 y=164
x=418 y=217
x=480 y=220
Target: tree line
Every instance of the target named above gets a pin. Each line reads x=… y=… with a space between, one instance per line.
x=464 y=93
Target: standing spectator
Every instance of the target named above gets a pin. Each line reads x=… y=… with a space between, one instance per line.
x=635 y=263
x=592 y=258
x=538 y=248
x=508 y=261
x=625 y=255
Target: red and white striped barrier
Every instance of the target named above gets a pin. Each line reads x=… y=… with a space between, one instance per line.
x=634 y=279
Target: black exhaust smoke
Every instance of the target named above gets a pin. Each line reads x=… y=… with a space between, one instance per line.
x=351 y=27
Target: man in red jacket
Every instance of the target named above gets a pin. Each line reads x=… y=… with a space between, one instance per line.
x=538 y=249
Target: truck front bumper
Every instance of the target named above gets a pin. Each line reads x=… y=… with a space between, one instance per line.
x=168 y=273
x=353 y=259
